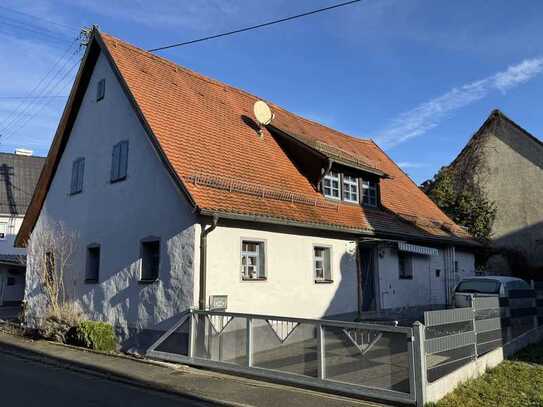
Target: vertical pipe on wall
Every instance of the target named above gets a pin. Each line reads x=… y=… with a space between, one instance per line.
x=203 y=261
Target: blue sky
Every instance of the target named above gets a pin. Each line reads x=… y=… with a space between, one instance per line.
x=417 y=76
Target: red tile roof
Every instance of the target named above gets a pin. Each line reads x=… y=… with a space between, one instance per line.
x=199 y=125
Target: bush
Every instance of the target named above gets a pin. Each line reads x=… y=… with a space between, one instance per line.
x=93 y=335
x=56 y=325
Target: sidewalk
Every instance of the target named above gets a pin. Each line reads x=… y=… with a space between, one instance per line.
x=203 y=385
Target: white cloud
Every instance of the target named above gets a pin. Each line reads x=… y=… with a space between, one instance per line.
x=409 y=164
x=428 y=115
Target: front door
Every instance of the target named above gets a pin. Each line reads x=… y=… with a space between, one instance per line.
x=368 y=276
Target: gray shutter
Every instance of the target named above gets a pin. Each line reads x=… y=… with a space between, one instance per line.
x=262 y=260
x=80 y=175
x=123 y=159
x=115 y=162
x=327 y=265
x=73 y=186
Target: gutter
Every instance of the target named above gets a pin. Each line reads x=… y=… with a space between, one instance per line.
x=203 y=261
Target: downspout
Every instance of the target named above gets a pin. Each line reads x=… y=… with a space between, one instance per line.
x=203 y=261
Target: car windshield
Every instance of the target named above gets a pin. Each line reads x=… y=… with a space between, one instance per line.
x=479 y=286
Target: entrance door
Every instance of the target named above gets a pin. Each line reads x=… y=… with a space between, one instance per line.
x=368 y=276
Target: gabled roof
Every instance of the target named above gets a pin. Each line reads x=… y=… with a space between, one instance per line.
x=200 y=128
x=18 y=178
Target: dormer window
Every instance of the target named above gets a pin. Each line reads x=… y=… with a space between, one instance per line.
x=331 y=185
x=350 y=189
x=369 y=193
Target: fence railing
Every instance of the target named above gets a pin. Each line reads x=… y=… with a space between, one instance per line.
x=368 y=360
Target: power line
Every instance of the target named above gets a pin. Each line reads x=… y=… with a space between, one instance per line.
x=32 y=97
x=254 y=27
x=40 y=18
x=38 y=91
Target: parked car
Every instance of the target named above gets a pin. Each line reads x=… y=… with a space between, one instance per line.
x=489 y=286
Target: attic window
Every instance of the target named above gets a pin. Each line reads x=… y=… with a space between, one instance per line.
x=369 y=193
x=350 y=189
x=78 y=171
x=100 y=90
x=331 y=185
x=119 y=161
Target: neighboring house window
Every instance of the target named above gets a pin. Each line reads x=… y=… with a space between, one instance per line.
x=369 y=193
x=119 y=161
x=331 y=185
x=150 y=260
x=350 y=189
x=100 y=90
x=405 y=265
x=322 y=264
x=253 y=264
x=93 y=264
x=78 y=172
x=3 y=230
x=50 y=267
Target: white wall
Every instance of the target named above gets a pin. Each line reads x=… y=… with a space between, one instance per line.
x=426 y=287
x=117 y=215
x=290 y=288
x=13 y=225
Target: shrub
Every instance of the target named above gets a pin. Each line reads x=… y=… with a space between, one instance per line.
x=93 y=335
x=57 y=324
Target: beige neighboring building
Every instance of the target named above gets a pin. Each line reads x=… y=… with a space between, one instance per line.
x=506 y=162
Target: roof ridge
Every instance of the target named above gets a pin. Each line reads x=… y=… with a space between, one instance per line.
x=216 y=82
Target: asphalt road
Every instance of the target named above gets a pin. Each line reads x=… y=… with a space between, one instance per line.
x=28 y=383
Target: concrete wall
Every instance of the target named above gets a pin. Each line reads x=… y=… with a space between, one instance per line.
x=427 y=286
x=117 y=216
x=290 y=288
x=512 y=178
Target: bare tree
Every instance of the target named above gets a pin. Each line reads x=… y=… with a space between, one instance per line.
x=50 y=250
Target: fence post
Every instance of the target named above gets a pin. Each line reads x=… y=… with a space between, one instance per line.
x=249 y=342
x=473 y=305
x=192 y=334
x=534 y=305
x=321 y=352
x=419 y=356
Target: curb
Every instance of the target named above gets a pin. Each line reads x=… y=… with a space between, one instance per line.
x=81 y=367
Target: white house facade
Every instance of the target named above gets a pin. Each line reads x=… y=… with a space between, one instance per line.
x=166 y=217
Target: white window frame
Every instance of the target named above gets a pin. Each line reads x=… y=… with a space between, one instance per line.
x=350 y=182
x=329 y=179
x=259 y=255
x=4 y=233
x=326 y=274
x=368 y=187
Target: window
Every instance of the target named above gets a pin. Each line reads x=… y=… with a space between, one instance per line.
x=479 y=286
x=321 y=264
x=350 y=189
x=119 y=161
x=150 y=260
x=100 y=90
x=93 y=264
x=253 y=262
x=78 y=171
x=405 y=266
x=369 y=193
x=10 y=281
x=50 y=267
x=3 y=230
x=331 y=185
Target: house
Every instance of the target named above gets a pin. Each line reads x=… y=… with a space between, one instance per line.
x=181 y=199
x=19 y=174
x=505 y=162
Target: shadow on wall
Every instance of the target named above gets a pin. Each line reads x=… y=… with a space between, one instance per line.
x=346 y=290
x=140 y=312
x=519 y=253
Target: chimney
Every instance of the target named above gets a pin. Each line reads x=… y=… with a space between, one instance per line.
x=23 y=151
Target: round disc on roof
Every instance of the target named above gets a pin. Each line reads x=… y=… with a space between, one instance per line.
x=263 y=113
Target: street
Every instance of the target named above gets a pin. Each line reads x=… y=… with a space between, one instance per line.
x=28 y=383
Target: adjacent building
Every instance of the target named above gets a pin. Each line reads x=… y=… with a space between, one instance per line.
x=180 y=198
x=506 y=163
x=19 y=174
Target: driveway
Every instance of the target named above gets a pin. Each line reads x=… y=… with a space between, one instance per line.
x=29 y=383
